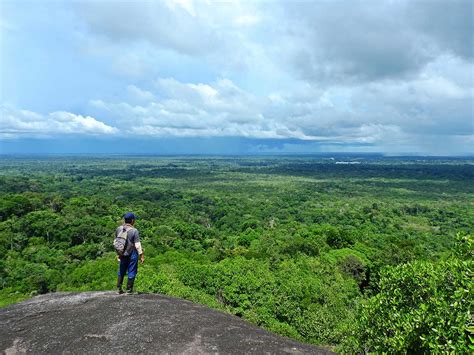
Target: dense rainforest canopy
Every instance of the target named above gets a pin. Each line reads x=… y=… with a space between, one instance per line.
x=373 y=256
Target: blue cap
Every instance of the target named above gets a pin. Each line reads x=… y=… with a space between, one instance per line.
x=129 y=215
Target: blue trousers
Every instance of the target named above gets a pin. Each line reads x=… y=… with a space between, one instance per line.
x=129 y=265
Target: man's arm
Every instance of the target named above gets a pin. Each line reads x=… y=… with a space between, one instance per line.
x=116 y=234
x=138 y=246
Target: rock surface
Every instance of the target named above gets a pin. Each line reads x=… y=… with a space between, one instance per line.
x=104 y=322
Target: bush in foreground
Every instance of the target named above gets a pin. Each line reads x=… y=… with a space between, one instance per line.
x=421 y=307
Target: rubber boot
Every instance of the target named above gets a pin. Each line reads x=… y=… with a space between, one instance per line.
x=130 y=286
x=119 y=285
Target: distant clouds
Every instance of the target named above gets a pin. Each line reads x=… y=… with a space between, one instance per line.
x=393 y=76
x=20 y=123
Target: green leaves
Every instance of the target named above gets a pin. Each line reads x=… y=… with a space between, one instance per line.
x=421 y=307
x=300 y=297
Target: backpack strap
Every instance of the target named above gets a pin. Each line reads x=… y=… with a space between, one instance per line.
x=130 y=227
x=123 y=230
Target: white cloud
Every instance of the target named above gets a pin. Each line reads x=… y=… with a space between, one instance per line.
x=17 y=123
x=171 y=24
x=247 y=20
x=139 y=95
x=187 y=5
x=223 y=109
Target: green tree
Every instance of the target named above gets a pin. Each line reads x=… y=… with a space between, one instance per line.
x=422 y=307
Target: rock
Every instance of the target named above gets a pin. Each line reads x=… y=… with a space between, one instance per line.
x=104 y=322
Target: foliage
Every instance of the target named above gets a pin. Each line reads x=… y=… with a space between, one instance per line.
x=301 y=246
x=422 y=307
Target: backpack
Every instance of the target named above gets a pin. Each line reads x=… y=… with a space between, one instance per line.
x=120 y=242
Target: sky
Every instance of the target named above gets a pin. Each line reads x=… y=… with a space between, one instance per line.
x=237 y=77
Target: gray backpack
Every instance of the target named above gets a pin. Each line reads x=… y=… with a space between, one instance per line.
x=120 y=242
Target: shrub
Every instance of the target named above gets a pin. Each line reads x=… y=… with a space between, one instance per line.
x=421 y=307
x=338 y=239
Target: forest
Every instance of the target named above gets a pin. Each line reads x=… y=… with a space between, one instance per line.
x=365 y=254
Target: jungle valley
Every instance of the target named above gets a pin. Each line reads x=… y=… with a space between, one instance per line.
x=360 y=253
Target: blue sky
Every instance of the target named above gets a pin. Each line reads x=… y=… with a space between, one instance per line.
x=237 y=77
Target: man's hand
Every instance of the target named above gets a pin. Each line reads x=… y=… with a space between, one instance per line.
x=142 y=258
x=118 y=258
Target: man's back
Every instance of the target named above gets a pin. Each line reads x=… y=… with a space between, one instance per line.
x=133 y=237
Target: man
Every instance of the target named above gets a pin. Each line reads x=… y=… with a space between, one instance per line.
x=133 y=251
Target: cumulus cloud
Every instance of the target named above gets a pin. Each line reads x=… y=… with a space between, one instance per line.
x=17 y=123
x=140 y=95
x=219 y=108
x=223 y=109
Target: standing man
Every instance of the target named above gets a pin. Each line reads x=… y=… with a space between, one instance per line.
x=133 y=251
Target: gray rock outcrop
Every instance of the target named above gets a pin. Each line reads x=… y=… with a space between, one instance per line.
x=103 y=322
